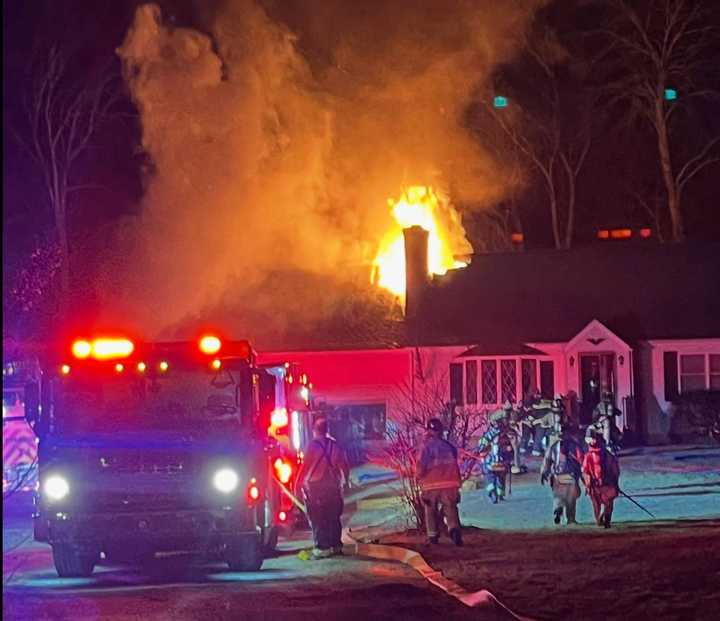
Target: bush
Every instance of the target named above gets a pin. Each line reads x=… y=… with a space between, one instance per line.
x=698 y=413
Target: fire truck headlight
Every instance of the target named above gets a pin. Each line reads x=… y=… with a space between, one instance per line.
x=226 y=480
x=56 y=487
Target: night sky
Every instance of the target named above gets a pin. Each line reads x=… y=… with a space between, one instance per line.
x=623 y=158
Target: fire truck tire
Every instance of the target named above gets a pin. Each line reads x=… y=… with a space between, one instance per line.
x=71 y=562
x=244 y=553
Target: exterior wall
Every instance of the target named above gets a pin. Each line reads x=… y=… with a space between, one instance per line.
x=369 y=376
x=656 y=409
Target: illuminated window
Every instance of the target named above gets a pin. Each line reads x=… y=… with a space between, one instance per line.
x=508 y=380
x=529 y=377
x=699 y=372
x=692 y=372
x=471 y=381
x=714 y=371
x=456 y=383
x=489 y=381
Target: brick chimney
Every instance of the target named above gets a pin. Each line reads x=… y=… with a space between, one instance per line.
x=416 y=271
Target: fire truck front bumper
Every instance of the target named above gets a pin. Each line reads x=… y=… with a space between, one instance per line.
x=195 y=529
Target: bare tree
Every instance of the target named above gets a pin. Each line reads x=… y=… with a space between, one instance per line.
x=654 y=56
x=63 y=114
x=416 y=402
x=547 y=136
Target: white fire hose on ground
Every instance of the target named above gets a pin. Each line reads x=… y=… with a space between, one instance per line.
x=476 y=599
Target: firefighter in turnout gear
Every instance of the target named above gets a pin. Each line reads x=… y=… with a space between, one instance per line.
x=562 y=467
x=439 y=477
x=601 y=475
x=604 y=423
x=515 y=416
x=497 y=444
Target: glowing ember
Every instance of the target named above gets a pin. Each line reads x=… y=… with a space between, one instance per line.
x=419 y=206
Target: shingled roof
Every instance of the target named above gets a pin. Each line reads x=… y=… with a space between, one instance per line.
x=639 y=291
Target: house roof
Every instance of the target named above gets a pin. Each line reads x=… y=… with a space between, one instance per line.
x=639 y=291
x=506 y=349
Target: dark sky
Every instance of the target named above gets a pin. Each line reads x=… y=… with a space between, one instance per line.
x=94 y=28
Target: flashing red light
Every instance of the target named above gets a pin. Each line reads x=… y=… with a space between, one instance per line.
x=103 y=348
x=119 y=367
x=282 y=516
x=621 y=233
x=279 y=418
x=603 y=234
x=253 y=492
x=141 y=367
x=65 y=369
x=517 y=238
x=164 y=366
x=645 y=233
x=283 y=470
x=210 y=344
x=216 y=364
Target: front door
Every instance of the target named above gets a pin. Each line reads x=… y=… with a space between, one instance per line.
x=597 y=374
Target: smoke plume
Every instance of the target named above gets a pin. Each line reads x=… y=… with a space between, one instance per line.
x=275 y=138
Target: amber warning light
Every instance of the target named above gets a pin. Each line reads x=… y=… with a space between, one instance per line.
x=103 y=348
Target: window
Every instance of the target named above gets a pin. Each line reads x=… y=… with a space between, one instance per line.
x=692 y=372
x=456 y=383
x=489 y=381
x=547 y=378
x=698 y=372
x=714 y=371
x=508 y=380
x=471 y=381
x=529 y=377
x=670 y=372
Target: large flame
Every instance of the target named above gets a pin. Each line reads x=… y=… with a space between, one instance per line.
x=419 y=206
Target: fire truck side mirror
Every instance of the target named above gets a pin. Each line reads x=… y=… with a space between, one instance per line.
x=32 y=403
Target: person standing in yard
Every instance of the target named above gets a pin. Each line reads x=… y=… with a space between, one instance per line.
x=321 y=478
x=439 y=477
x=604 y=417
x=562 y=466
x=601 y=475
x=497 y=447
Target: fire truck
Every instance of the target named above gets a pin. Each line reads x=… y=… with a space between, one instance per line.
x=19 y=441
x=148 y=448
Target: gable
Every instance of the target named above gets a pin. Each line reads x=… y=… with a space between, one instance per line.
x=596 y=335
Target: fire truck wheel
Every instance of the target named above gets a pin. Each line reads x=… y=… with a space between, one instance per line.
x=244 y=553
x=71 y=562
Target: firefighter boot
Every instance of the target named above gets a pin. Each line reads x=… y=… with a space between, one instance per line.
x=456 y=537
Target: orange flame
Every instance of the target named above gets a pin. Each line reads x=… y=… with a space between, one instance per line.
x=419 y=206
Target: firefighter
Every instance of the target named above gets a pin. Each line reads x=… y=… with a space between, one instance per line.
x=562 y=467
x=499 y=454
x=601 y=475
x=542 y=424
x=321 y=478
x=604 y=416
x=439 y=477
x=514 y=416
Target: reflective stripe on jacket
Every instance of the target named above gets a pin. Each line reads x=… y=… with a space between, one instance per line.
x=437 y=465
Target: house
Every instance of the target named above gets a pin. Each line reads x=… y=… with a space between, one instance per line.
x=639 y=320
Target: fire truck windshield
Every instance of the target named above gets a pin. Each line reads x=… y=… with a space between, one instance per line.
x=178 y=399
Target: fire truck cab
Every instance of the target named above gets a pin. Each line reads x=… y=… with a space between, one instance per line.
x=149 y=448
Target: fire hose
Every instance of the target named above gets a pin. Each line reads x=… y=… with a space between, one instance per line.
x=477 y=599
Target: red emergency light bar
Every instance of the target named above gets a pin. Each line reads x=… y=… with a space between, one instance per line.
x=103 y=348
x=139 y=354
